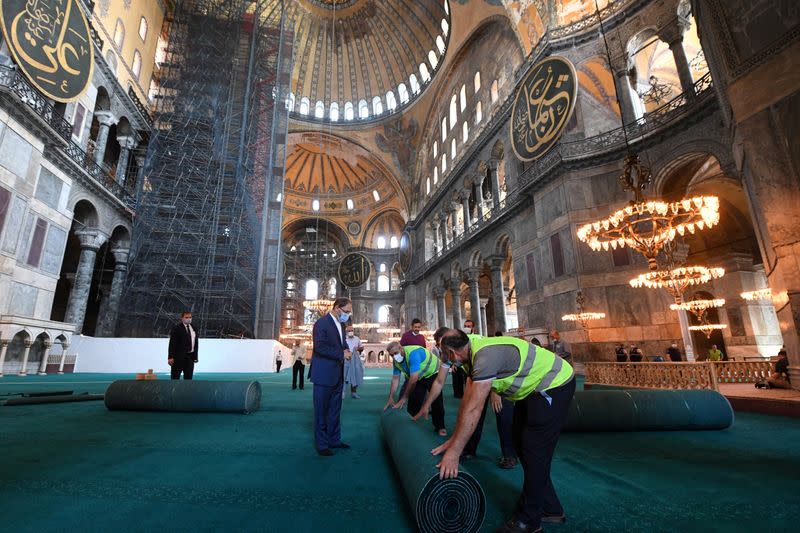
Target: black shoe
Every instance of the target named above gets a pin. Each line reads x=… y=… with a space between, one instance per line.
x=325 y=452
x=554 y=518
x=342 y=445
x=507 y=463
x=517 y=526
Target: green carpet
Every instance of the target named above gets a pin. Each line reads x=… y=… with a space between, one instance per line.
x=79 y=467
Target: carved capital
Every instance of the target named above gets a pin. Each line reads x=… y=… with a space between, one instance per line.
x=473 y=274
x=105 y=118
x=91 y=238
x=121 y=255
x=496 y=262
x=128 y=142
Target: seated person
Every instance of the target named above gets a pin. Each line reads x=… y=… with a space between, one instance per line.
x=780 y=378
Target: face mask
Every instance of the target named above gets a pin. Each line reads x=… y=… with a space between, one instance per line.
x=467 y=330
x=187 y=321
x=674 y=345
x=344 y=317
x=398 y=357
x=350 y=333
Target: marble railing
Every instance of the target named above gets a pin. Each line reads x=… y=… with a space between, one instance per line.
x=653 y=375
x=743 y=371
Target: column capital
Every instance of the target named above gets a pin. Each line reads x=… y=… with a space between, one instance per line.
x=4 y=343
x=48 y=344
x=672 y=32
x=493 y=164
x=128 y=141
x=105 y=118
x=121 y=255
x=91 y=238
x=496 y=262
x=473 y=274
x=438 y=292
x=455 y=285
x=27 y=343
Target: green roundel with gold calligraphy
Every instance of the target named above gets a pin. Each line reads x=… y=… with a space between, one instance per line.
x=354 y=270
x=51 y=43
x=405 y=253
x=544 y=104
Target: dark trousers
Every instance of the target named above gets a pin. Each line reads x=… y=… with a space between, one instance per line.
x=417 y=397
x=297 y=370
x=183 y=364
x=536 y=428
x=458 y=383
x=504 y=419
x=327 y=410
x=278 y=366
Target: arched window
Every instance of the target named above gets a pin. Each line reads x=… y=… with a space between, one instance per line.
x=312 y=289
x=428 y=185
x=477 y=81
x=445 y=26
x=432 y=59
x=304 y=105
x=376 y=196
x=453 y=112
x=111 y=60
x=382 y=267
x=464 y=132
x=119 y=34
x=435 y=175
x=315 y=205
x=363 y=109
x=423 y=71
x=332 y=288
x=377 y=105
x=290 y=102
x=444 y=163
x=279 y=197
x=348 y=111
x=412 y=80
x=383 y=314
x=391 y=103
x=334 y=112
x=350 y=204
x=494 y=91
x=143 y=28
x=136 y=67
x=462 y=95
x=381 y=242
x=383 y=283
x=402 y=92
x=478 y=113
x=435 y=148
x=452 y=150
x=440 y=44
x=393 y=242
x=444 y=129
x=319 y=109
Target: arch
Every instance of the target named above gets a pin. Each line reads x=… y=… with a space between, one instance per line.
x=386 y=223
x=119 y=34
x=377 y=105
x=334 y=112
x=136 y=65
x=85 y=215
x=402 y=92
x=476 y=83
x=440 y=44
x=124 y=127
x=502 y=244
x=476 y=259
x=363 y=109
x=494 y=91
x=102 y=101
x=319 y=109
x=16 y=351
x=433 y=59
x=681 y=154
x=413 y=83
x=424 y=73
x=384 y=314
x=304 y=106
x=120 y=237
x=391 y=102
x=456 y=271
x=498 y=150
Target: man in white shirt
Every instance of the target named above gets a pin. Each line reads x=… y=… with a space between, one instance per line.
x=183 y=344
x=299 y=355
x=353 y=367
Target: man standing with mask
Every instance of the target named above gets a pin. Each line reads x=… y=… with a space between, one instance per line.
x=353 y=367
x=183 y=344
x=327 y=374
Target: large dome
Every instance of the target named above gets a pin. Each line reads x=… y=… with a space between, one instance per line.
x=362 y=60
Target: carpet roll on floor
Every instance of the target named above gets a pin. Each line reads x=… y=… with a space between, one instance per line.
x=450 y=505
x=184 y=396
x=648 y=410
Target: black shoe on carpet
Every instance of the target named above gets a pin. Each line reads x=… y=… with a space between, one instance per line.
x=554 y=518
x=341 y=445
x=325 y=453
x=517 y=526
x=507 y=463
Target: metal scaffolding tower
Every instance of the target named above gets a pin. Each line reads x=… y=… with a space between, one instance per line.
x=207 y=213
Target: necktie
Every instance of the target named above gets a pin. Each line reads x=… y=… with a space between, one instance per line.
x=189 y=338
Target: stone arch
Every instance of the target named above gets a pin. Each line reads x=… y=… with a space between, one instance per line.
x=476 y=259
x=85 y=215
x=120 y=237
x=102 y=101
x=502 y=244
x=681 y=154
x=15 y=352
x=498 y=150
x=456 y=271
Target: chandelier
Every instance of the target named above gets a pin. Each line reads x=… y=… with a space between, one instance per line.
x=582 y=317
x=761 y=294
x=389 y=331
x=657 y=92
x=697 y=307
x=320 y=305
x=675 y=281
x=708 y=328
x=366 y=325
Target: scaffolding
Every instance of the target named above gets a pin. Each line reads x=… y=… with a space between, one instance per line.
x=207 y=213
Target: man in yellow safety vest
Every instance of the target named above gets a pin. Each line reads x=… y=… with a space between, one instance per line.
x=541 y=385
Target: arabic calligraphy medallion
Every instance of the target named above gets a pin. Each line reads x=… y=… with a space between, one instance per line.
x=405 y=252
x=542 y=107
x=354 y=270
x=51 y=43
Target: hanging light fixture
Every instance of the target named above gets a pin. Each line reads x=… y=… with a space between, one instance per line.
x=761 y=294
x=675 y=281
x=367 y=325
x=698 y=307
x=389 y=331
x=708 y=328
x=582 y=317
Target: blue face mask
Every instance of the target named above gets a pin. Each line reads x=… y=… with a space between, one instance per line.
x=344 y=317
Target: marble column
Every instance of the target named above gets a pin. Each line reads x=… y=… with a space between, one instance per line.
x=623 y=88
x=108 y=322
x=437 y=245
x=473 y=280
x=672 y=34
x=126 y=144
x=686 y=335
x=139 y=156
x=3 y=349
x=445 y=231
x=105 y=120
x=494 y=183
x=496 y=269
x=90 y=242
x=483 y=319
x=441 y=310
x=45 y=355
x=455 y=294
x=465 y=208
x=64 y=346
x=479 y=198
x=23 y=371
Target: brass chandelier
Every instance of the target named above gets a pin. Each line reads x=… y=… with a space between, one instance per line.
x=708 y=328
x=582 y=317
x=698 y=307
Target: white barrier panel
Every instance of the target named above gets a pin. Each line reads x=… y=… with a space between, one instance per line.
x=131 y=355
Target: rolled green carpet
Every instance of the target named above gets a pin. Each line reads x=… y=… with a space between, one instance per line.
x=184 y=396
x=648 y=410
x=442 y=506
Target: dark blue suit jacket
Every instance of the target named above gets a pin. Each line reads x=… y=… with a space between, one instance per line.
x=327 y=363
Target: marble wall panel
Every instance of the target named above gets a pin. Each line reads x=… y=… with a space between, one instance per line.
x=48 y=188
x=550 y=206
x=53 y=249
x=15 y=153
x=627 y=306
x=14 y=225
x=22 y=299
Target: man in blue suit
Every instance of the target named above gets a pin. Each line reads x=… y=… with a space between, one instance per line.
x=327 y=374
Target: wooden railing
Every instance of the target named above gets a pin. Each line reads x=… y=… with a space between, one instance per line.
x=705 y=375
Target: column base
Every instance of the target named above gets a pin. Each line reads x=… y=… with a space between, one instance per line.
x=22 y=374
x=59 y=373
x=41 y=373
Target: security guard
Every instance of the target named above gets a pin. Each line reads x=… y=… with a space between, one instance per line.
x=420 y=367
x=541 y=385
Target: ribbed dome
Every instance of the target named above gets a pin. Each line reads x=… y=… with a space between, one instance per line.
x=363 y=59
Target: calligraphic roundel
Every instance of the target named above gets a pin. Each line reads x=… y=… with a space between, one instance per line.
x=51 y=43
x=543 y=106
x=354 y=270
x=405 y=252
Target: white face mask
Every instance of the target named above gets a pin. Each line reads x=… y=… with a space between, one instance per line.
x=398 y=357
x=350 y=333
x=187 y=321
x=467 y=330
